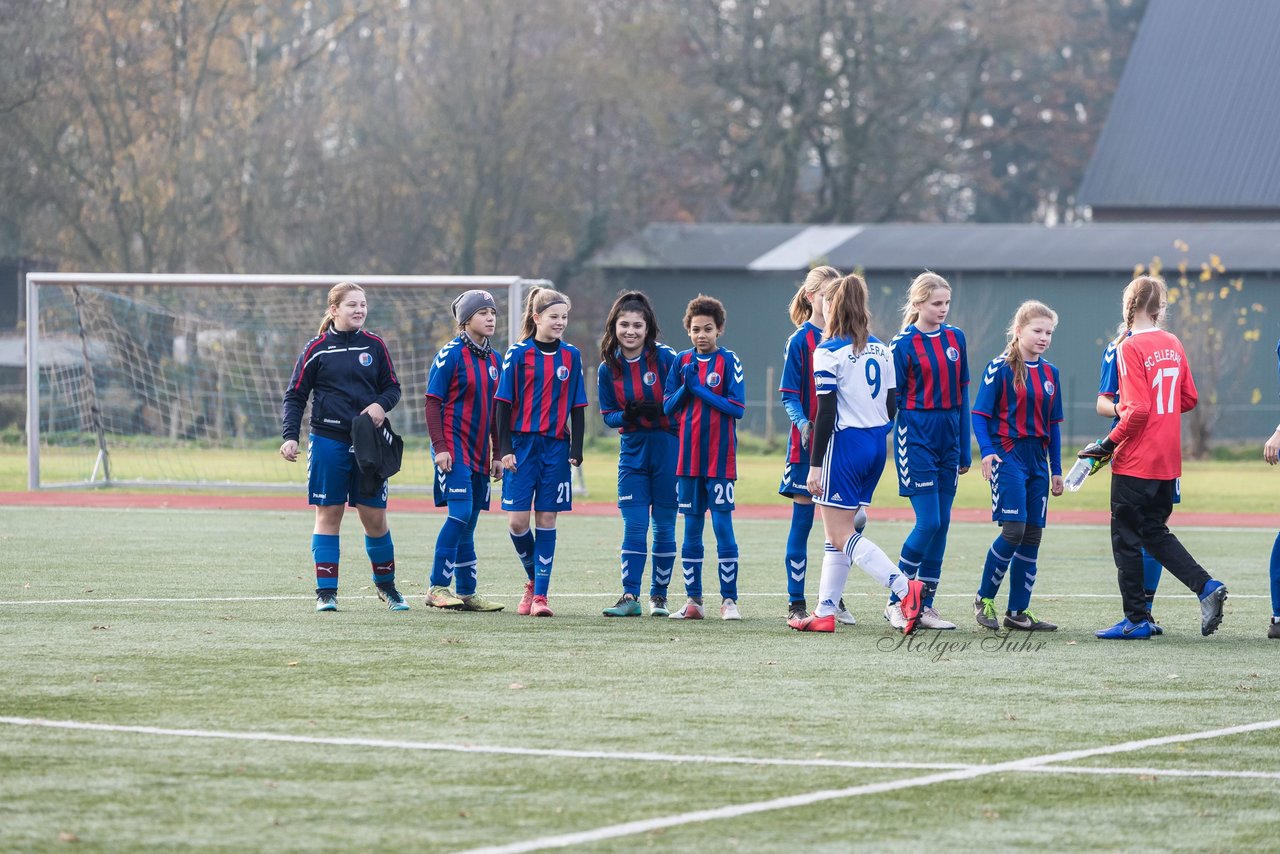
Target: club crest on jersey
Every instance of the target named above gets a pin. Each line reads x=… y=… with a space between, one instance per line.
x=366 y=359
x=713 y=380
x=649 y=378
x=1048 y=387
x=493 y=372
x=953 y=354
x=562 y=373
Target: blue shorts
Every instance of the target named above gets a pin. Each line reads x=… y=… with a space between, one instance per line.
x=462 y=484
x=333 y=476
x=1020 y=484
x=795 y=476
x=647 y=478
x=926 y=451
x=542 y=480
x=852 y=468
x=697 y=495
x=1177 y=490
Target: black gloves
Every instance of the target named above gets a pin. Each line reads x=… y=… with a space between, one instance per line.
x=637 y=409
x=1100 y=452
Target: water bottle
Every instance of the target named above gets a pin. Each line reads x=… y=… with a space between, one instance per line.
x=1076 y=477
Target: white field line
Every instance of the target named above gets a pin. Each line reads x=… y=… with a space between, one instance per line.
x=475 y=748
x=1154 y=772
x=733 y=811
x=605 y=754
x=141 y=600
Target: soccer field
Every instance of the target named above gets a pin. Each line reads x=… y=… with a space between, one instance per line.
x=166 y=683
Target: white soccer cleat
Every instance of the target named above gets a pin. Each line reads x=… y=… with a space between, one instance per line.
x=691 y=611
x=843 y=616
x=729 y=610
x=931 y=619
x=893 y=613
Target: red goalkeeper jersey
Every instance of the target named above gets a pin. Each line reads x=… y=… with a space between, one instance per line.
x=1155 y=389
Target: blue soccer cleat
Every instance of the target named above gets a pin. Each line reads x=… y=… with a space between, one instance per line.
x=1125 y=630
x=327 y=601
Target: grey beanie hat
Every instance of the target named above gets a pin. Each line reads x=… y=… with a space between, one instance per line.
x=471 y=302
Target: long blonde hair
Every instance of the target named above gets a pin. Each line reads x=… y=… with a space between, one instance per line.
x=1027 y=312
x=922 y=287
x=848 y=315
x=538 y=301
x=1147 y=294
x=337 y=294
x=801 y=308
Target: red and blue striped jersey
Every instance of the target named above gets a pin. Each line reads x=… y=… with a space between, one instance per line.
x=932 y=367
x=1019 y=413
x=542 y=388
x=797 y=379
x=465 y=384
x=708 y=437
x=642 y=379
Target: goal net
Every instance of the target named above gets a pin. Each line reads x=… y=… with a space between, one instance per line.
x=178 y=380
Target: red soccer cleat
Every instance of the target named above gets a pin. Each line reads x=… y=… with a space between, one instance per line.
x=912 y=605
x=538 y=608
x=813 y=624
x=526 y=601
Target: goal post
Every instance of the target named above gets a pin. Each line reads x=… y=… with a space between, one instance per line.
x=178 y=379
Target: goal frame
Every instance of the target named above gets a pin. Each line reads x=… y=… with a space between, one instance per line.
x=516 y=286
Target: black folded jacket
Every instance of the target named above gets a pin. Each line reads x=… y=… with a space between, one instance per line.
x=379 y=452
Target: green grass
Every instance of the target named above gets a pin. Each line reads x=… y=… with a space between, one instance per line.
x=581 y=682
x=1208 y=486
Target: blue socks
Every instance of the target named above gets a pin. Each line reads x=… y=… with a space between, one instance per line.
x=797 y=559
x=664 y=549
x=524 y=550
x=931 y=566
x=326 y=554
x=635 y=522
x=544 y=552
x=325 y=551
x=444 y=564
x=464 y=564
x=727 y=552
x=998 y=558
x=1022 y=576
x=382 y=556
x=691 y=554
x=1275 y=578
x=1151 y=570
x=921 y=555
x=455 y=555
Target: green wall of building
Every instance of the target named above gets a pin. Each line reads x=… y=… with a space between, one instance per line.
x=1088 y=307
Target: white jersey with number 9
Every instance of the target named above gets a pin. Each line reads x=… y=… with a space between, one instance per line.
x=860 y=380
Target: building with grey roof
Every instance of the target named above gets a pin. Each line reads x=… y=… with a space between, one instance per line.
x=1078 y=270
x=1194 y=126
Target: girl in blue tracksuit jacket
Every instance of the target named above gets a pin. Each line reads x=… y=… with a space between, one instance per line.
x=346 y=372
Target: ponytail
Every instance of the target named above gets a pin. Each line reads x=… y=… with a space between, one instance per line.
x=848 y=315
x=538 y=301
x=337 y=294
x=801 y=308
x=1147 y=294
